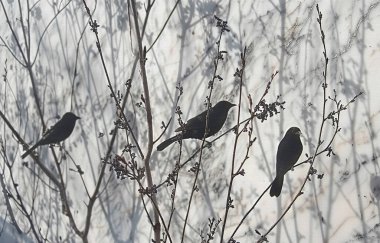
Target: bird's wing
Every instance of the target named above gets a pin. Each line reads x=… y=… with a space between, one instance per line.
x=289 y=150
x=57 y=133
x=47 y=135
x=195 y=123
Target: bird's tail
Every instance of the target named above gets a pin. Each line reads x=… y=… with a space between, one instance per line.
x=29 y=151
x=276 y=186
x=167 y=142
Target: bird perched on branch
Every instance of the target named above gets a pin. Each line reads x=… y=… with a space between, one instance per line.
x=195 y=127
x=59 y=132
x=288 y=152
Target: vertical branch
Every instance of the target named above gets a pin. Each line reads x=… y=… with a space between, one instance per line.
x=94 y=27
x=142 y=60
x=324 y=84
x=239 y=74
x=258 y=112
x=223 y=28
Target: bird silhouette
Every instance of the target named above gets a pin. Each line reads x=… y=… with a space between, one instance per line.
x=59 y=132
x=195 y=127
x=288 y=152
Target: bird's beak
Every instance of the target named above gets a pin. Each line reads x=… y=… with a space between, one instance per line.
x=78 y=117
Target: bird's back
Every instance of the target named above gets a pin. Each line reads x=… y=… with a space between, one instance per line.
x=289 y=150
x=195 y=127
x=60 y=131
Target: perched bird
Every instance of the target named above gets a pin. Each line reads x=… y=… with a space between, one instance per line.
x=59 y=132
x=288 y=152
x=195 y=127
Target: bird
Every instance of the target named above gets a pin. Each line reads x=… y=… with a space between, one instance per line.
x=195 y=127
x=288 y=152
x=59 y=132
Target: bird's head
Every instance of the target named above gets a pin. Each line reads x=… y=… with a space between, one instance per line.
x=70 y=116
x=294 y=131
x=224 y=105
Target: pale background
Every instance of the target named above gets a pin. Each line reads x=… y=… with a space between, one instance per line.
x=280 y=35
